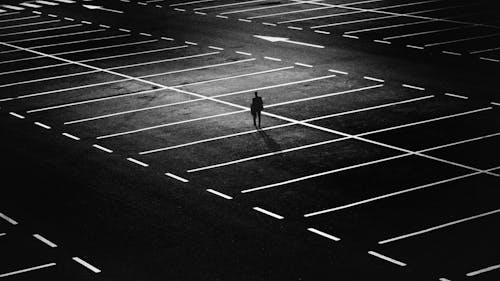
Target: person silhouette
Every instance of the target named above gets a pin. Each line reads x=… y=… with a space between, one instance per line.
x=256 y=108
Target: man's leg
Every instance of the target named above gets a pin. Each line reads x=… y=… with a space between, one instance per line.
x=254 y=115
x=259 y=118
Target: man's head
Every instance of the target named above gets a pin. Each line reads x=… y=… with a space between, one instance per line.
x=255 y=93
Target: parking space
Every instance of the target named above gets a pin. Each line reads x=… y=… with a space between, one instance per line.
x=363 y=159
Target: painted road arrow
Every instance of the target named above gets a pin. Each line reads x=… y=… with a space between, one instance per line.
x=286 y=40
x=92 y=7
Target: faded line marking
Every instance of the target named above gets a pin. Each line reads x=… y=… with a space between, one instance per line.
x=45 y=240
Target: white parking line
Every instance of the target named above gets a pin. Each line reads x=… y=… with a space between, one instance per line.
x=21 y=18
x=29 y=24
x=42 y=125
x=176 y=177
x=260 y=8
x=274 y=215
x=289 y=12
x=102 y=148
x=39 y=30
x=219 y=194
x=8 y=219
x=456 y=96
x=8 y=14
x=413 y=87
x=27 y=269
x=57 y=35
x=228 y=5
x=12 y=7
x=461 y=40
x=321 y=233
x=16 y=115
x=483 y=270
x=438 y=227
x=45 y=240
x=46 y=3
x=71 y=136
x=190 y=3
x=386 y=258
x=425 y=32
x=86 y=264
x=135 y=53
x=164 y=60
x=140 y=163
x=484 y=50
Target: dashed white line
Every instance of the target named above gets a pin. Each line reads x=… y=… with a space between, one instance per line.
x=221 y=17
x=350 y=36
x=176 y=177
x=274 y=215
x=200 y=13
x=413 y=87
x=326 y=235
x=124 y=30
x=17 y=115
x=102 y=148
x=322 y=31
x=180 y=10
x=489 y=59
x=451 y=53
x=140 y=163
x=338 y=71
x=243 y=53
x=191 y=2
x=295 y=28
x=27 y=269
x=374 y=79
x=382 y=41
x=386 y=258
x=272 y=58
x=244 y=20
x=8 y=219
x=438 y=227
x=216 y=48
x=145 y=34
x=45 y=240
x=167 y=38
x=415 y=47
x=456 y=96
x=303 y=64
x=42 y=125
x=191 y=43
x=219 y=194
x=86 y=264
x=269 y=24
x=71 y=136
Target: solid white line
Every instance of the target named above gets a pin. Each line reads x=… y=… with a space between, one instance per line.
x=200 y=13
x=176 y=177
x=425 y=32
x=244 y=20
x=382 y=41
x=291 y=12
x=222 y=17
x=258 y=209
x=220 y=194
x=13 y=7
x=272 y=58
x=16 y=115
x=216 y=48
x=22 y=18
x=189 y=3
x=456 y=96
x=386 y=258
x=135 y=53
x=295 y=28
x=338 y=71
x=70 y=136
x=163 y=60
x=350 y=36
x=462 y=40
x=489 y=59
x=269 y=24
x=39 y=30
x=27 y=269
x=451 y=53
x=438 y=227
x=322 y=31
x=28 y=24
x=8 y=219
x=415 y=47
x=227 y=5
x=413 y=87
x=243 y=53
x=53 y=36
x=326 y=235
x=86 y=264
x=46 y=3
x=260 y=8
x=8 y=14
x=374 y=79
x=484 y=50
x=137 y=162
x=42 y=125
x=303 y=64
x=480 y=271
x=102 y=148
x=30 y=5
x=180 y=10
x=45 y=240
x=495 y=103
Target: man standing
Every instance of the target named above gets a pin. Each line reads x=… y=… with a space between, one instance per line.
x=256 y=108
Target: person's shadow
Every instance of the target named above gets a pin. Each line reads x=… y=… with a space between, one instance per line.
x=271 y=144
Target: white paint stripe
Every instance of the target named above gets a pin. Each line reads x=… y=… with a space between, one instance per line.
x=303 y=64
x=46 y=3
x=338 y=71
x=21 y=18
x=8 y=14
x=216 y=48
x=12 y=7
x=350 y=36
x=222 y=17
x=16 y=115
x=243 y=53
x=322 y=31
x=44 y=79
x=244 y=20
x=200 y=13
x=220 y=194
x=444 y=279
x=8 y=219
x=107 y=47
x=42 y=125
x=86 y=264
x=295 y=28
x=480 y=271
x=415 y=47
x=164 y=60
x=137 y=162
x=269 y=24
x=65 y=1
x=135 y=53
x=374 y=79
x=27 y=269
x=289 y=12
x=323 y=173
x=438 y=227
x=30 y=5
x=456 y=96
x=39 y=30
x=54 y=36
x=462 y=40
x=102 y=148
x=484 y=50
x=45 y=240
x=495 y=103
x=413 y=87
x=258 y=209
x=228 y=5
x=382 y=41
x=425 y=32
x=29 y=24
x=260 y=8
x=71 y=136
x=451 y=53
x=489 y=59
x=386 y=258
x=176 y=177
x=167 y=38
x=191 y=2
x=326 y=235
x=272 y=58
x=369 y=200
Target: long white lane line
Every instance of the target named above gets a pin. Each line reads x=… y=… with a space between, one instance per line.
x=28 y=24
x=386 y=258
x=39 y=30
x=228 y=5
x=483 y=270
x=102 y=148
x=269 y=213
x=426 y=32
x=190 y=3
x=8 y=14
x=176 y=177
x=58 y=36
x=8 y=219
x=21 y=18
x=141 y=92
x=3 y=234
x=484 y=50
x=290 y=12
x=462 y=40
x=135 y=53
x=71 y=136
x=45 y=240
x=42 y=125
x=461 y=142
x=260 y=8
x=324 y=234
x=27 y=269
x=279 y=126
x=86 y=264
x=404 y=236
x=140 y=163
x=163 y=60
